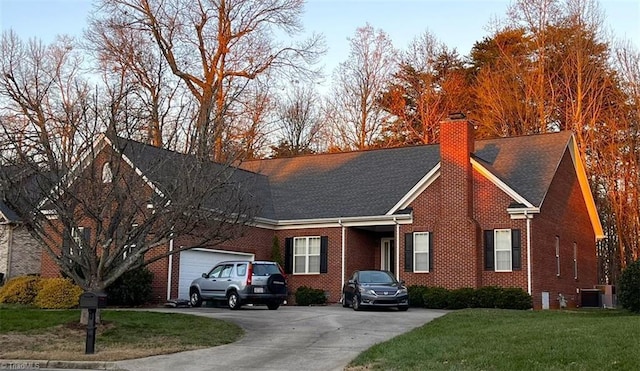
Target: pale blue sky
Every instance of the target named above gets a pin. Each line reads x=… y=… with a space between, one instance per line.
x=458 y=23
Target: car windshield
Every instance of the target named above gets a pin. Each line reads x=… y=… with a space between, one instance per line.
x=375 y=277
x=265 y=269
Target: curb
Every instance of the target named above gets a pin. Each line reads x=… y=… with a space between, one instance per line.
x=27 y=364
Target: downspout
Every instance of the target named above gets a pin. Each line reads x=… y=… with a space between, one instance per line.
x=170 y=270
x=342 y=256
x=529 y=289
x=397 y=248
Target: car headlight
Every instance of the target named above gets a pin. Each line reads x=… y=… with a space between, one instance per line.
x=364 y=290
x=402 y=290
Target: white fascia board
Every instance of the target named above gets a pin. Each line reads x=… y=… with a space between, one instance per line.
x=581 y=174
x=522 y=212
x=416 y=190
x=137 y=170
x=500 y=184
x=78 y=167
x=364 y=221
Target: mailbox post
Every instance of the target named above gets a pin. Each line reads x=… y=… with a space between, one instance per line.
x=92 y=301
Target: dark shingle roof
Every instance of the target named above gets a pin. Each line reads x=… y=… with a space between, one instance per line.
x=527 y=164
x=368 y=183
x=9 y=215
x=361 y=183
x=171 y=171
x=364 y=183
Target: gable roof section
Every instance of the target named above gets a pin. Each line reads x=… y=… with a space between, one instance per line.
x=350 y=184
x=525 y=164
x=159 y=168
x=7 y=215
x=382 y=182
x=375 y=182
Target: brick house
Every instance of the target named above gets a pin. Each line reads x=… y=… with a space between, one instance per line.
x=20 y=252
x=512 y=212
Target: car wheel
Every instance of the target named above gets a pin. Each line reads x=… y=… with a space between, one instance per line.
x=276 y=284
x=233 y=300
x=403 y=308
x=273 y=306
x=356 y=302
x=344 y=301
x=195 y=299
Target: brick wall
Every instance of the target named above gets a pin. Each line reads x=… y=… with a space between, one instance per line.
x=490 y=210
x=564 y=215
x=456 y=232
x=330 y=281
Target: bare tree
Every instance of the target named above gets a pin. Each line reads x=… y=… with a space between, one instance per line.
x=132 y=59
x=251 y=116
x=41 y=93
x=357 y=85
x=299 y=121
x=208 y=43
x=102 y=205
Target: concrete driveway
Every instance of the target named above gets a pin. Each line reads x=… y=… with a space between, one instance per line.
x=290 y=338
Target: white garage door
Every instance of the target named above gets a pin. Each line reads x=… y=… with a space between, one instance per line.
x=195 y=262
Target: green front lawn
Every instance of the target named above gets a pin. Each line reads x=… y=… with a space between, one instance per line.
x=487 y=339
x=57 y=334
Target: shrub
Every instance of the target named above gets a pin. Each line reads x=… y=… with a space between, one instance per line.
x=310 y=296
x=57 y=293
x=436 y=297
x=416 y=295
x=487 y=297
x=20 y=290
x=460 y=298
x=131 y=289
x=276 y=255
x=514 y=298
x=629 y=287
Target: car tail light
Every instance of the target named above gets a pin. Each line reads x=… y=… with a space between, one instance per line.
x=249 y=274
x=282 y=272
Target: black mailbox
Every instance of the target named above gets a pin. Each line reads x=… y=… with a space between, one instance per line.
x=91 y=300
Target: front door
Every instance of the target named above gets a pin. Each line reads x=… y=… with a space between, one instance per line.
x=387 y=255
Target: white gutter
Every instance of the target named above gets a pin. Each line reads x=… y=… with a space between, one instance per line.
x=343 y=257
x=169 y=271
x=357 y=221
x=397 y=248
x=529 y=217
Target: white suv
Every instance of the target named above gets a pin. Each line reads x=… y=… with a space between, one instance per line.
x=241 y=282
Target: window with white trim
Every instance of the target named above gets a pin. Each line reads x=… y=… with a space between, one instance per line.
x=421 y=252
x=107 y=174
x=502 y=250
x=78 y=236
x=306 y=255
x=558 y=256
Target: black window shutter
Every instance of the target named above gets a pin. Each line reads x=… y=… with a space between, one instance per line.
x=408 y=252
x=430 y=251
x=488 y=249
x=288 y=255
x=66 y=242
x=516 y=261
x=86 y=237
x=324 y=254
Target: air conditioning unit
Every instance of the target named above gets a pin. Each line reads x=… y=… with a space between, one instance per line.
x=609 y=299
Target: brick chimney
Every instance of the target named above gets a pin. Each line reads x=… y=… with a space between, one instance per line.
x=456 y=146
x=457 y=234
